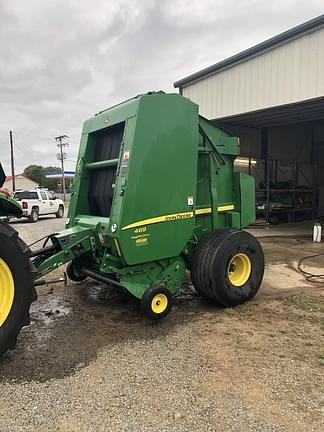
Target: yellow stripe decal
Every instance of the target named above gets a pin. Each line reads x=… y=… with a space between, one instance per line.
x=177 y=216
x=117 y=247
x=165 y=218
x=225 y=207
x=203 y=211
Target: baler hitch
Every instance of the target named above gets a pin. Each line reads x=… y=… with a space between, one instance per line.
x=40 y=282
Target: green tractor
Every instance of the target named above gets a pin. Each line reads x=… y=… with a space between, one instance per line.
x=16 y=274
x=155 y=195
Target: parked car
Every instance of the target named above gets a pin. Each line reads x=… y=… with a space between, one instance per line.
x=38 y=202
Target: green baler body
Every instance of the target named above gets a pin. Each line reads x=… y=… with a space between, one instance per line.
x=152 y=177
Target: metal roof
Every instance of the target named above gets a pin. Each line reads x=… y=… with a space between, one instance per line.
x=293 y=113
x=279 y=39
x=16 y=175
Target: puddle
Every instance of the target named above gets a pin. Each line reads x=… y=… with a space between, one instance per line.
x=44 y=314
x=186 y=294
x=47 y=313
x=97 y=292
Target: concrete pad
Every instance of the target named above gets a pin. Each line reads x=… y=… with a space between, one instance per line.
x=296 y=229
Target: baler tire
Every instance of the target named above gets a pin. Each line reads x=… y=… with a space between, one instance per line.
x=33 y=217
x=156 y=302
x=198 y=270
x=60 y=213
x=228 y=267
x=16 y=286
x=73 y=274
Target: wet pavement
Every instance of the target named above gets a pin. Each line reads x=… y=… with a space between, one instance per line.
x=91 y=361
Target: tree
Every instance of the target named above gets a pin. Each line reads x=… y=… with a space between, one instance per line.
x=50 y=183
x=34 y=172
x=38 y=174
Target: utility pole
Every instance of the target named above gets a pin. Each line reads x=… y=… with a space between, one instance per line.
x=61 y=156
x=12 y=163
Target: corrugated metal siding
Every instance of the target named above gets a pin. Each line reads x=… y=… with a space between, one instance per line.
x=286 y=74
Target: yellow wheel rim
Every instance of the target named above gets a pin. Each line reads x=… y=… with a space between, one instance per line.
x=159 y=303
x=239 y=269
x=7 y=291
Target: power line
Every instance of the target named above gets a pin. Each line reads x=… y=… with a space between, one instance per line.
x=23 y=152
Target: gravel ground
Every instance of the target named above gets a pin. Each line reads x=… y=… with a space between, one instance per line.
x=91 y=362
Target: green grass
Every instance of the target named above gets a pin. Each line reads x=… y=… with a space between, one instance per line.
x=306 y=303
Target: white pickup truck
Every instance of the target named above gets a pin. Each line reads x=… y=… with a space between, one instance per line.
x=37 y=202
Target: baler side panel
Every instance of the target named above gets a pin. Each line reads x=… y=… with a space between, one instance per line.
x=157 y=219
x=215 y=195
x=244 y=185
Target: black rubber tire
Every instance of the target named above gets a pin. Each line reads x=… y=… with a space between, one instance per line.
x=60 y=213
x=209 y=267
x=16 y=253
x=200 y=282
x=33 y=217
x=73 y=273
x=146 y=302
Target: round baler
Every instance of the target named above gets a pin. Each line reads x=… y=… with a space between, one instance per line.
x=155 y=195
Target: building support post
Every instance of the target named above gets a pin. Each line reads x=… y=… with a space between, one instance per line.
x=265 y=157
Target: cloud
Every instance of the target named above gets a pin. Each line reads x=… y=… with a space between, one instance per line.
x=62 y=60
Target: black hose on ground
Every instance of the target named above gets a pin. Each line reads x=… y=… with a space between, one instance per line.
x=311 y=277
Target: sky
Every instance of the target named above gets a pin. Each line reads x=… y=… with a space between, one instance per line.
x=61 y=61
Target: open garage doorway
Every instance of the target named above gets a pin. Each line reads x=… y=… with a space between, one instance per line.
x=283 y=148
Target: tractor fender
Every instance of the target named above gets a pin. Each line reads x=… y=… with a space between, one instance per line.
x=9 y=207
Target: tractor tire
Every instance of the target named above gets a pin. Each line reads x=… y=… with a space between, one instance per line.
x=156 y=302
x=74 y=274
x=227 y=267
x=16 y=286
x=60 y=213
x=33 y=217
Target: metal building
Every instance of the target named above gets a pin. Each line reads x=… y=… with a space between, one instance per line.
x=272 y=97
